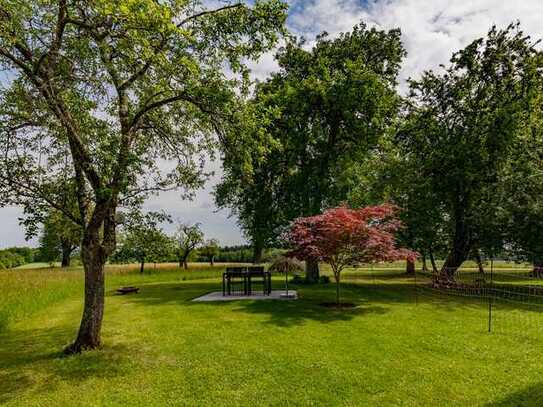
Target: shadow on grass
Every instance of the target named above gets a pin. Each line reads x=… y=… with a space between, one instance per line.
x=369 y=298
x=291 y=313
x=32 y=361
x=531 y=396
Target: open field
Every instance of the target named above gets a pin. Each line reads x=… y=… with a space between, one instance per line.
x=396 y=348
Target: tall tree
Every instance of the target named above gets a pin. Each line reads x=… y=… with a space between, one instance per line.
x=186 y=239
x=521 y=212
x=461 y=129
x=143 y=240
x=387 y=174
x=59 y=238
x=337 y=97
x=117 y=87
x=209 y=250
x=251 y=176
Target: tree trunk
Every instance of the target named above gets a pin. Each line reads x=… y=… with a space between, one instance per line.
x=410 y=267
x=94 y=260
x=336 y=277
x=433 y=262
x=424 y=263
x=479 y=261
x=66 y=253
x=142 y=265
x=212 y=261
x=454 y=260
x=311 y=271
x=460 y=249
x=258 y=248
x=185 y=264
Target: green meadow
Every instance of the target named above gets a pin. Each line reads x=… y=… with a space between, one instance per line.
x=399 y=346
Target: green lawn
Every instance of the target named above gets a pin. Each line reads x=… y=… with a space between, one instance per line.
x=396 y=348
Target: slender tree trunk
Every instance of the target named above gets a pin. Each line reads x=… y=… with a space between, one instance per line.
x=94 y=260
x=185 y=263
x=311 y=271
x=410 y=267
x=479 y=261
x=212 y=261
x=424 y=263
x=66 y=253
x=142 y=265
x=433 y=262
x=336 y=277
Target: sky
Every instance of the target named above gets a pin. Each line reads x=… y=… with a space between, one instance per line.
x=431 y=31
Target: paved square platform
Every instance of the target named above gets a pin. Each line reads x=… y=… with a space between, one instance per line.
x=275 y=295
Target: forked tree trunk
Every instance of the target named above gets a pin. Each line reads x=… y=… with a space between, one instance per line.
x=311 y=271
x=94 y=261
x=410 y=267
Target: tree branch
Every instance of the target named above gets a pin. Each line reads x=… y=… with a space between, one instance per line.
x=209 y=12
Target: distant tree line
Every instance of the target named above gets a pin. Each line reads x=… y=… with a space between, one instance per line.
x=16 y=256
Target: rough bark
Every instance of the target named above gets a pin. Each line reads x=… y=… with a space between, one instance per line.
x=410 y=267
x=94 y=260
x=311 y=271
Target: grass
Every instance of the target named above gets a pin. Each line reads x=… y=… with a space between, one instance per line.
x=161 y=349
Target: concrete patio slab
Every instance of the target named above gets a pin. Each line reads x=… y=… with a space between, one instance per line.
x=275 y=295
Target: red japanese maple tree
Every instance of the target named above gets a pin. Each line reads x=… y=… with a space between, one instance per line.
x=343 y=237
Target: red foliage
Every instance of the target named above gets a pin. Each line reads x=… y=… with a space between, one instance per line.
x=343 y=236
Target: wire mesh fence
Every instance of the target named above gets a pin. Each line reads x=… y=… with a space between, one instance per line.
x=510 y=300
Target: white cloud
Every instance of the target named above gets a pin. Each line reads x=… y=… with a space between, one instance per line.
x=431 y=31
